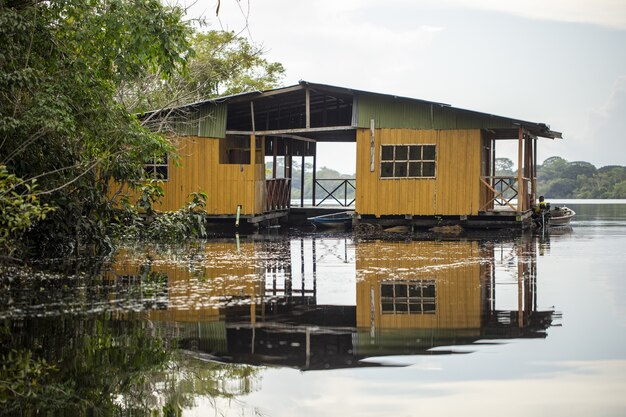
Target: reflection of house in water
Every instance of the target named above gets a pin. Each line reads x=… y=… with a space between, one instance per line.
x=262 y=305
x=433 y=294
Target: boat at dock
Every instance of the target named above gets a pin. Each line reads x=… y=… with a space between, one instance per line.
x=555 y=217
x=335 y=220
x=561 y=216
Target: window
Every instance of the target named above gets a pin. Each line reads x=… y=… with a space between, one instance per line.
x=157 y=168
x=235 y=149
x=408 y=161
x=408 y=297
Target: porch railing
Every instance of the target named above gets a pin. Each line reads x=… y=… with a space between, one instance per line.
x=502 y=190
x=278 y=192
x=341 y=190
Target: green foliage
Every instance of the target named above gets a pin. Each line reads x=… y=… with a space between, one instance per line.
x=61 y=66
x=151 y=192
x=29 y=383
x=222 y=64
x=558 y=178
x=20 y=208
x=228 y=64
x=504 y=167
x=142 y=222
x=97 y=365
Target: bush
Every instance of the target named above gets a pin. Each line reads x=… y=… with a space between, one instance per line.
x=20 y=209
x=142 y=222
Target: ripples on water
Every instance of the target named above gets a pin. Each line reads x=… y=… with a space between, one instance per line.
x=219 y=325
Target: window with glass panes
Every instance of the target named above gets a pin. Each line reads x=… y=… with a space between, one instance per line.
x=157 y=168
x=408 y=161
x=408 y=297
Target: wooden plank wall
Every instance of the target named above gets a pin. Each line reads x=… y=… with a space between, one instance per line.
x=454 y=266
x=227 y=185
x=454 y=191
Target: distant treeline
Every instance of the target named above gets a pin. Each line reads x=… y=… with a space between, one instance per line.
x=558 y=178
x=330 y=179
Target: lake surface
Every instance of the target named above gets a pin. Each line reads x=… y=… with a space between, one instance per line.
x=297 y=323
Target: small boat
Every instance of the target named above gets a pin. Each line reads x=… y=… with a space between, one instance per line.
x=561 y=216
x=337 y=220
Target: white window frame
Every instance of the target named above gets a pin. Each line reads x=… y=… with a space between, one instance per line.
x=394 y=161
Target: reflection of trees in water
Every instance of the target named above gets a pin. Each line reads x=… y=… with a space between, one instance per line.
x=183 y=379
x=77 y=366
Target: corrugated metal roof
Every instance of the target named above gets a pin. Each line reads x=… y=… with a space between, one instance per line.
x=414 y=114
x=391 y=112
x=388 y=110
x=212 y=120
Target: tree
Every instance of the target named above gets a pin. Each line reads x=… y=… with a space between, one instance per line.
x=558 y=178
x=61 y=65
x=504 y=166
x=222 y=63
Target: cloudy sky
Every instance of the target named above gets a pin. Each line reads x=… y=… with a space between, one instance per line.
x=560 y=62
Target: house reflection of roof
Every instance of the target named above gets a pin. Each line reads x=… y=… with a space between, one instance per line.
x=324 y=337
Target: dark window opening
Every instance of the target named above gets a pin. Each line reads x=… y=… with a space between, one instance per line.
x=235 y=149
x=408 y=297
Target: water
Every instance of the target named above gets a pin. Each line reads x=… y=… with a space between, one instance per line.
x=323 y=324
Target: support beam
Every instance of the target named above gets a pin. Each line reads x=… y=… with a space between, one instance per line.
x=302 y=181
x=493 y=157
x=314 y=169
x=296 y=137
x=286 y=173
x=291 y=131
x=252 y=116
x=308 y=108
x=252 y=150
x=528 y=150
x=534 y=179
x=372 y=147
x=520 y=169
x=274 y=156
x=520 y=288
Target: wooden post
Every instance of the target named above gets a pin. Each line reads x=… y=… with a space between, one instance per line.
x=289 y=166
x=302 y=182
x=534 y=180
x=520 y=288
x=492 y=181
x=252 y=137
x=252 y=149
x=252 y=115
x=314 y=169
x=285 y=159
x=307 y=106
x=372 y=147
x=302 y=260
x=529 y=169
x=493 y=158
x=520 y=170
x=274 y=156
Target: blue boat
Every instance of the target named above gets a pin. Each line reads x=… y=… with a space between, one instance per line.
x=335 y=220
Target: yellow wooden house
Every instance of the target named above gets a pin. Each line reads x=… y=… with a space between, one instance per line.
x=416 y=159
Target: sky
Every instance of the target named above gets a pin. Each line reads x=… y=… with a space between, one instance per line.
x=559 y=62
